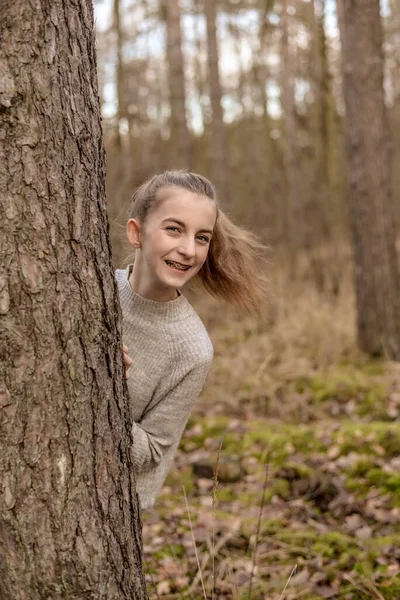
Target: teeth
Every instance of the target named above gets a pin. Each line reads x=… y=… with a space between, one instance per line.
x=177 y=265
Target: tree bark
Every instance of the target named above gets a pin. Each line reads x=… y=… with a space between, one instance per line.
x=179 y=132
x=218 y=151
x=377 y=279
x=69 y=518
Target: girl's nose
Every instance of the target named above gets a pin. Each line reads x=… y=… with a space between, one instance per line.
x=188 y=248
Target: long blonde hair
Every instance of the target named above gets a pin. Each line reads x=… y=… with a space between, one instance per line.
x=235 y=269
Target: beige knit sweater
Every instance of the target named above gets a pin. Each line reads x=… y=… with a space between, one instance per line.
x=171 y=354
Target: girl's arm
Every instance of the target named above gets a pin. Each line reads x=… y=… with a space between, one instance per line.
x=163 y=425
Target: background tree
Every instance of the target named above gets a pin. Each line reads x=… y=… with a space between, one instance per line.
x=377 y=278
x=70 y=524
x=218 y=149
x=294 y=213
x=180 y=137
x=119 y=75
x=283 y=124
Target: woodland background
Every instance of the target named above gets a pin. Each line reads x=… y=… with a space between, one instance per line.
x=308 y=471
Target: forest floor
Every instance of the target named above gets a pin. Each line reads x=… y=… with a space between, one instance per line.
x=303 y=432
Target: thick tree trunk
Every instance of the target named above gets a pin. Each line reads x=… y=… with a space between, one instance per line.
x=69 y=518
x=377 y=277
x=179 y=132
x=218 y=150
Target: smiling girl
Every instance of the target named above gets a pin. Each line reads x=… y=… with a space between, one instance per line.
x=179 y=233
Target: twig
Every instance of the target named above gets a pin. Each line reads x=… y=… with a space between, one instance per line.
x=287 y=583
x=207 y=557
x=214 y=504
x=194 y=544
x=253 y=566
x=369 y=587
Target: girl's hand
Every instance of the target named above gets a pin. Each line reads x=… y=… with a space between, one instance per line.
x=127 y=360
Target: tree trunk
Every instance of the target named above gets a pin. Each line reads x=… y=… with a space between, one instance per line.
x=377 y=279
x=323 y=92
x=118 y=70
x=294 y=213
x=179 y=132
x=69 y=519
x=218 y=153
x=319 y=205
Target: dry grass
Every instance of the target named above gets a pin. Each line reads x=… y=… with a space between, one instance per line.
x=305 y=331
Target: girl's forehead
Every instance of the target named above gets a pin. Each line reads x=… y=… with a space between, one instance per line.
x=181 y=204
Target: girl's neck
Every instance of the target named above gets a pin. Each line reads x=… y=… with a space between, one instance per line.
x=143 y=287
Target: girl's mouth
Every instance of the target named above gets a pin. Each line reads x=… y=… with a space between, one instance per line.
x=178 y=266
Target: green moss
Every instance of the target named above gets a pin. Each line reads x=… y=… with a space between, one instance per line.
x=345 y=382
x=281 y=487
x=248 y=527
x=362 y=437
x=376 y=477
x=248 y=498
x=297 y=471
x=333 y=544
x=390 y=440
x=225 y=494
x=388 y=481
x=173 y=550
x=360 y=468
x=348 y=558
x=269 y=440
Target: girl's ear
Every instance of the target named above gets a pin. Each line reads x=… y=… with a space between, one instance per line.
x=133 y=233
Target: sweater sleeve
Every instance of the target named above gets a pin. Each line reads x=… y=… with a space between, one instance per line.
x=163 y=425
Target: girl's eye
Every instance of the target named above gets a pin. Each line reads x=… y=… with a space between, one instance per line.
x=203 y=238
x=173 y=229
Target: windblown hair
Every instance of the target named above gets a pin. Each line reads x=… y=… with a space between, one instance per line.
x=236 y=267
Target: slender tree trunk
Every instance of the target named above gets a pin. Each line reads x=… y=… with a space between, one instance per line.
x=118 y=69
x=323 y=92
x=200 y=75
x=180 y=137
x=261 y=147
x=294 y=213
x=69 y=519
x=218 y=153
x=377 y=279
x=320 y=197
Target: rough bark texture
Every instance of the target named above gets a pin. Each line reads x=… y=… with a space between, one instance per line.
x=218 y=150
x=376 y=268
x=179 y=131
x=69 y=519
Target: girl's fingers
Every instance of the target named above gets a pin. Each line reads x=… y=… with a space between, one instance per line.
x=127 y=360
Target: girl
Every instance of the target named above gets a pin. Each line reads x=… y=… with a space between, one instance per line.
x=179 y=234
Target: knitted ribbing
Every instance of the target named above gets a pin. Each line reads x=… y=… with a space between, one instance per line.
x=171 y=354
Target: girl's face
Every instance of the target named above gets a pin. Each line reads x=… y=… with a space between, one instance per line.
x=173 y=242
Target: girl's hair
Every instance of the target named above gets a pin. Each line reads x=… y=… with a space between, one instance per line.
x=236 y=267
